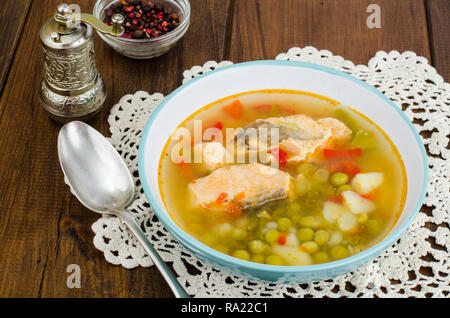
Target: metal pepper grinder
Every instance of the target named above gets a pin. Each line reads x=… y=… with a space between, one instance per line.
x=72 y=87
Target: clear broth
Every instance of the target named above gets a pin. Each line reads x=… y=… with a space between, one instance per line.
x=224 y=232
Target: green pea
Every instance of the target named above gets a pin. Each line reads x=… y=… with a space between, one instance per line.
x=343 y=188
x=242 y=254
x=320 y=257
x=284 y=224
x=239 y=234
x=296 y=219
x=339 y=252
x=256 y=246
x=310 y=247
x=274 y=260
x=306 y=169
x=339 y=178
x=271 y=236
x=259 y=233
x=302 y=186
x=321 y=237
x=278 y=211
x=305 y=235
x=258 y=258
x=253 y=222
x=310 y=221
x=321 y=175
x=293 y=208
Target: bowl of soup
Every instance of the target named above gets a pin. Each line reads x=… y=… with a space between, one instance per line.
x=282 y=171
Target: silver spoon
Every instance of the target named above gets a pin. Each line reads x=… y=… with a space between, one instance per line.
x=99 y=178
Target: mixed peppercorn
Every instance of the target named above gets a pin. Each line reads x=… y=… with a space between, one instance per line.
x=143 y=19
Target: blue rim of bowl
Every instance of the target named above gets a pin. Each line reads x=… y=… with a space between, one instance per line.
x=232 y=261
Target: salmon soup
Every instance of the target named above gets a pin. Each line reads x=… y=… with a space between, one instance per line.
x=330 y=185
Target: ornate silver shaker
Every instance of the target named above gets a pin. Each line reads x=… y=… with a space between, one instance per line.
x=72 y=87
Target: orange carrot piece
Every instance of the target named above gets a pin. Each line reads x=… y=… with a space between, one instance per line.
x=186 y=170
x=280 y=155
x=334 y=199
x=234 y=109
x=370 y=195
x=287 y=110
x=344 y=153
x=350 y=168
x=222 y=197
x=263 y=108
x=217 y=125
x=239 y=196
x=282 y=239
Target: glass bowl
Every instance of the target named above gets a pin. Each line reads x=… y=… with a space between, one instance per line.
x=147 y=48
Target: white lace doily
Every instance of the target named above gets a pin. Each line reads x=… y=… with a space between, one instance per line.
x=416 y=265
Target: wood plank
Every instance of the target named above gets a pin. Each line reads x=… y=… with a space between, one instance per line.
x=12 y=17
x=264 y=28
x=438 y=12
x=42 y=228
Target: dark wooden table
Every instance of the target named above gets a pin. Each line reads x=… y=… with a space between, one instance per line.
x=43 y=228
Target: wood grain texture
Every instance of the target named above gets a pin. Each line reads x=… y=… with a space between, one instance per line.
x=12 y=16
x=264 y=28
x=42 y=228
x=439 y=29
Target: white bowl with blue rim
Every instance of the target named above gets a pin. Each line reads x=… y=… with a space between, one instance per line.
x=250 y=76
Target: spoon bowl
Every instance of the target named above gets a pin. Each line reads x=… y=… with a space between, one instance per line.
x=99 y=178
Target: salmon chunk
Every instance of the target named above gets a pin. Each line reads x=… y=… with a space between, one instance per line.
x=299 y=135
x=299 y=150
x=213 y=155
x=296 y=126
x=337 y=128
x=247 y=185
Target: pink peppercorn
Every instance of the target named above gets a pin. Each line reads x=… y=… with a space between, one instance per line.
x=143 y=18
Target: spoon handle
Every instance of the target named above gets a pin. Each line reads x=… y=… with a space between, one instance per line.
x=173 y=283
